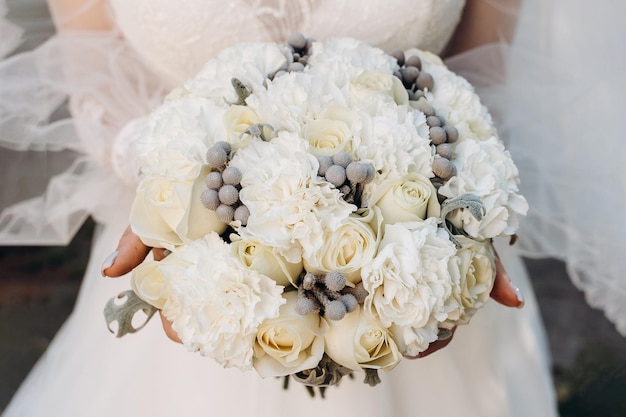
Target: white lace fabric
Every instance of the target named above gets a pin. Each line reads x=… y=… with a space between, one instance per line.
x=176 y=40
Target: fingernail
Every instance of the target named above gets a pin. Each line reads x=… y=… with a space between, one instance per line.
x=520 y=297
x=108 y=262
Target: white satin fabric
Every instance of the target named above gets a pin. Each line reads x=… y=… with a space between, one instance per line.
x=496 y=367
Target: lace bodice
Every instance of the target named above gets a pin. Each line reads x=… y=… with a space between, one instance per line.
x=176 y=38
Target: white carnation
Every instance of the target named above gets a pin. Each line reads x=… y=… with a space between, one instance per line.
x=395 y=142
x=349 y=56
x=284 y=105
x=455 y=99
x=408 y=281
x=216 y=304
x=292 y=100
x=414 y=340
x=485 y=168
x=251 y=63
x=289 y=206
x=177 y=136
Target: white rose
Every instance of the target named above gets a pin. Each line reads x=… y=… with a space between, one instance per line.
x=265 y=261
x=215 y=303
x=359 y=341
x=236 y=120
x=409 y=198
x=170 y=212
x=148 y=282
x=347 y=248
x=408 y=280
x=473 y=270
x=331 y=131
x=370 y=83
x=289 y=343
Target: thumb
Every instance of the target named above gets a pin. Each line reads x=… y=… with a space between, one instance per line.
x=130 y=252
x=503 y=291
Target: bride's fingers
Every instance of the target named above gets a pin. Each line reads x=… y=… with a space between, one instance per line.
x=130 y=252
x=158 y=254
x=167 y=327
x=503 y=291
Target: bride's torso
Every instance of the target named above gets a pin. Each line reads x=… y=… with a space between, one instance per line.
x=176 y=38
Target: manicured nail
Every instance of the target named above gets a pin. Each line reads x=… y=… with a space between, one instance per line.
x=108 y=262
x=520 y=297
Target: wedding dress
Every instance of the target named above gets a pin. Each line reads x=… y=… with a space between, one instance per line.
x=495 y=367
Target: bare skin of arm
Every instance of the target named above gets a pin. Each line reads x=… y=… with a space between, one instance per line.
x=69 y=15
x=484 y=22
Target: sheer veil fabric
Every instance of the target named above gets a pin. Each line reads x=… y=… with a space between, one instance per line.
x=496 y=367
x=566 y=67
x=580 y=194
x=10 y=33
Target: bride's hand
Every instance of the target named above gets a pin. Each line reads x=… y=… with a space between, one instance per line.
x=131 y=251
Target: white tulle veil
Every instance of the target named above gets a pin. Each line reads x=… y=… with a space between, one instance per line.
x=561 y=109
x=61 y=167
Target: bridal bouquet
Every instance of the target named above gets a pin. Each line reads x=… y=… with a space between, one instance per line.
x=326 y=207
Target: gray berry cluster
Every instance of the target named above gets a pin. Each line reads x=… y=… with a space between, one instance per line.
x=347 y=175
x=328 y=295
x=223 y=183
x=442 y=136
x=413 y=78
x=300 y=48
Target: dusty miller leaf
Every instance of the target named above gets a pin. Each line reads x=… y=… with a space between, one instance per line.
x=470 y=202
x=123 y=313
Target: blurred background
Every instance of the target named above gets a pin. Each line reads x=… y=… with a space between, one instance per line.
x=39 y=285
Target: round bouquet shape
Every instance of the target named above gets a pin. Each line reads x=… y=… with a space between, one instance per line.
x=327 y=207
